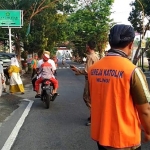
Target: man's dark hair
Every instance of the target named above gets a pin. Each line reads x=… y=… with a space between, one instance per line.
x=121 y=35
x=91 y=44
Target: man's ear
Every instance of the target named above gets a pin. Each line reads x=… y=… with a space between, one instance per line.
x=130 y=45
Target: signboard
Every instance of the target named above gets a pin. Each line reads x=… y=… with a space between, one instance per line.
x=143 y=43
x=11 y=18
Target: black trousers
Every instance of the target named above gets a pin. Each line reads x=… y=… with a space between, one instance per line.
x=33 y=73
x=102 y=148
x=33 y=83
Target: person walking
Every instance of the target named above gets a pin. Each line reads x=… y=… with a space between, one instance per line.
x=14 y=70
x=92 y=57
x=34 y=65
x=4 y=84
x=55 y=59
x=2 y=79
x=119 y=96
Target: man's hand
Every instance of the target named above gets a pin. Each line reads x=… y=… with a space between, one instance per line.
x=73 y=68
x=2 y=81
x=146 y=138
x=144 y=116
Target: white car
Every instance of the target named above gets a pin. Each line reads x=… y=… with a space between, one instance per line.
x=5 y=59
x=68 y=58
x=1 y=62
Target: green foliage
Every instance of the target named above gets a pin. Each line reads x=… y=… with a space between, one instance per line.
x=48 y=28
x=148 y=53
x=90 y=22
x=24 y=55
x=136 y=18
x=148 y=48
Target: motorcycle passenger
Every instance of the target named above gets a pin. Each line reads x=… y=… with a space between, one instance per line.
x=46 y=73
x=40 y=62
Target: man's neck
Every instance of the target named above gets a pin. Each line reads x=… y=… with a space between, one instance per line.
x=91 y=51
x=120 y=50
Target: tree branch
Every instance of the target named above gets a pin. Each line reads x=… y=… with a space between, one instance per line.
x=136 y=57
x=42 y=8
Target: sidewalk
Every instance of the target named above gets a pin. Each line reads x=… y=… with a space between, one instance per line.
x=10 y=102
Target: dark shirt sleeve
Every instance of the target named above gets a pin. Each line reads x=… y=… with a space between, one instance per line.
x=139 y=87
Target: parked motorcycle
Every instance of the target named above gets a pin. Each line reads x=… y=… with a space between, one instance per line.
x=46 y=93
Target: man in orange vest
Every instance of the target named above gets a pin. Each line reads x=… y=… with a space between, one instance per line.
x=34 y=64
x=34 y=69
x=119 y=96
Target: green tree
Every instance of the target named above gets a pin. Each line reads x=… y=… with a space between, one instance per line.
x=136 y=18
x=43 y=27
x=90 y=22
x=47 y=28
x=30 y=8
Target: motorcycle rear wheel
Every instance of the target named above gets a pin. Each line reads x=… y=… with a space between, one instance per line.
x=46 y=99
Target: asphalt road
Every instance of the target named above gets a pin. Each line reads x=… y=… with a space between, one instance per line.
x=62 y=127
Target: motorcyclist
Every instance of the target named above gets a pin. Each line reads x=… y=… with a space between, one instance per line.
x=40 y=62
x=46 y=72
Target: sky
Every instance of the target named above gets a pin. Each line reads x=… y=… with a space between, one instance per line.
x=121 y=9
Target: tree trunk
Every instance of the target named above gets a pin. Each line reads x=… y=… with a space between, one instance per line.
x=136 y=57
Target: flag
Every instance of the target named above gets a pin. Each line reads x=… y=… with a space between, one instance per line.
x=28 y=29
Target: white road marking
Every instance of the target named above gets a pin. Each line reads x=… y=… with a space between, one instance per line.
x=10 y=141
x=67 y=67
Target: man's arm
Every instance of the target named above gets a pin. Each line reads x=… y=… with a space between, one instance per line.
x=78 y=71
x=144 y=115
x=141 y=98
x=53 y=64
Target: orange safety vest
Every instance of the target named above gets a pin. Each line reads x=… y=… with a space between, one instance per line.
x=114 y=119
x=34 y=64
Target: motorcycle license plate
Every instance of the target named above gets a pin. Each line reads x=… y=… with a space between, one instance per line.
x=46 y=87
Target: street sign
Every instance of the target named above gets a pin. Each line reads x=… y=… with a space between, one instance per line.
x=11 y=18
x=143 y=43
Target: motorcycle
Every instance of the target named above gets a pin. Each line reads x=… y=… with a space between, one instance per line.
x=46 y=93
